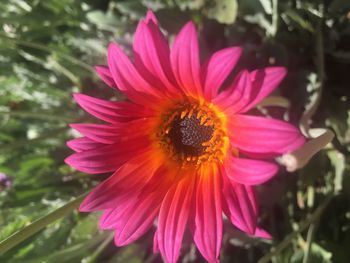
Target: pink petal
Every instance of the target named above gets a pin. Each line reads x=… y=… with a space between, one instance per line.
x=128 y=78
x=112 y=217
x=132 y=217
x=249 y=172
x=101 y=133
x=185 y=61
x=109 y=134
x=155 y=243
x=240 y=206
x=107 y=158
x=218 y=68
x=248 y=89
x=262 y=233
x=138 y=218
x=111 y=111
x=262 y=135
x=264 y=82
x=151 y=17
x=105 y=75
x=83 y=144
x=208 y=216
x=173 y=217
x=152 y=56
x=237 y=96
x=125 y=184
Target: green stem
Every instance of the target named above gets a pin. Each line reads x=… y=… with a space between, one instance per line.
x=45 y=48
x=303 y=226
x=39 y=224
x=274 y=17
x=309 y=240
x=101 y=248
x=275 y=101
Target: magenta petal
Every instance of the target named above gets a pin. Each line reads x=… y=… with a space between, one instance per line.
x=249 y=172
x=101 y=133
x=264 y=82
x=259 y=232
x=151 y=17
x=101 y=196
x=185 y=60
x=208 y=216
x=117 y=132
x=128 y=78
x=105 y=75
x=237 y=96
x=152 y=56
x=107 y=158
x=218 y=68
x=111 y=111
x=248 y=89
x=262 y=135
x=137 y=220
x=111 y=217
x=139 y=217
x=240 y=206
x=94 y=161
x=155 y=243
x=83 y=144
x=121 y=187
x=173 y=217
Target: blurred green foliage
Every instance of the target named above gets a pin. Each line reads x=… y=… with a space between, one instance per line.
x=47 y=51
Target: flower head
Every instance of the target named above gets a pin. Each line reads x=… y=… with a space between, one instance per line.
x=181 y=149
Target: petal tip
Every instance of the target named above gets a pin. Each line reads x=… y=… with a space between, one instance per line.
x=78 y=97
x=70 y=160
x=118 y=241
x=84 y=206
x=151 y=17
x=236 y=51
x=261 y=233
x=190 y=26
x=74 y=126
x=70 y=144
x=279 y=71
x=112 y=50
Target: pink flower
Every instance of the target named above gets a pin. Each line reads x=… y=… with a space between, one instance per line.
x=182 y=151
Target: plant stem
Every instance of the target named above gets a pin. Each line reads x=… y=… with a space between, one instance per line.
x=309 y=239
x=100 y=248
x=39 y=224
x=303 y=225
x=274 y=17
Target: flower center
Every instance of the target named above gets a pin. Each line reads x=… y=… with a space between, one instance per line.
x=188 y=135
x=193 y=133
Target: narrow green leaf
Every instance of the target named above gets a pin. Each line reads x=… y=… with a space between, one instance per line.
x=39 y=224
x=297 y=18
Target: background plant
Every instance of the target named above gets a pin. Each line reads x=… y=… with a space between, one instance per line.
x=47 y=50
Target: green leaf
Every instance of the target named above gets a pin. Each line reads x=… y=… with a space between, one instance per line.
x=39 y=224
x=224 y=11
x=298 y=19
